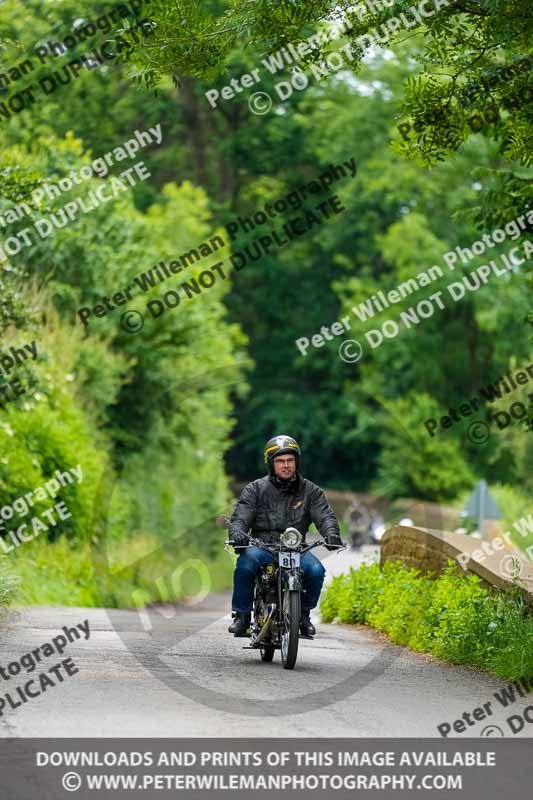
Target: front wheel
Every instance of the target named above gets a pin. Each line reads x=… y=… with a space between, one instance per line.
x=290 y=628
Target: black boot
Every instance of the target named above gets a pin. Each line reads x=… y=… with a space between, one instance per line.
x=241 y=623
x=306 y=626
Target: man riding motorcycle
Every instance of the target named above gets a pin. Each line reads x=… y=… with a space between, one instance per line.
x=268 y=506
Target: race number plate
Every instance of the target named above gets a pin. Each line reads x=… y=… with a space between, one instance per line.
x=289 y=560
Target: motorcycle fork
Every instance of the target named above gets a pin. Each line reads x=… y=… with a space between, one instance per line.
x=292 y=579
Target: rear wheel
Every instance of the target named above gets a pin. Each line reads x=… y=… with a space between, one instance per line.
x=290 y=628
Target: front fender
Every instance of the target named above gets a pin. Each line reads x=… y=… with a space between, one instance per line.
x=294 y=582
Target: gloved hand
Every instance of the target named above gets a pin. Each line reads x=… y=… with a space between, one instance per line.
x=333 y=541
x=238 y=537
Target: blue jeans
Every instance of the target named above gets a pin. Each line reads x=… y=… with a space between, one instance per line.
x=249 y=565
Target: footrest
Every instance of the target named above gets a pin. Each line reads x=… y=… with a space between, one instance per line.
x=301 y=636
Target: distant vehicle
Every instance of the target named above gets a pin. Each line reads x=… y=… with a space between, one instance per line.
x=364 y=526
x=358 y=522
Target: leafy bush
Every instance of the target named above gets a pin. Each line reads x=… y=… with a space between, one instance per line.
x=47 y=428
x=451 y=616
x=405 y=591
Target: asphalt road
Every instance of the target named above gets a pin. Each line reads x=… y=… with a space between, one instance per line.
x=180 y=674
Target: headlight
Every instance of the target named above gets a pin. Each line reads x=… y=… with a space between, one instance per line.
x=291 y=537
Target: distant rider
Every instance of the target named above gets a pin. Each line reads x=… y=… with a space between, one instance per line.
x=358 y=523
x=268 y=506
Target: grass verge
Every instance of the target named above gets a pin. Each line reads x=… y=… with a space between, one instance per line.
x=452 y=616
x=8 y=585
x=64 y=573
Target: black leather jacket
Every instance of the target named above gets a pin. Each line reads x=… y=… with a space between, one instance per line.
x=269 y=505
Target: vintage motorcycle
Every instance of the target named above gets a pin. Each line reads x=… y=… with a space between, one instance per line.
x=276 y=611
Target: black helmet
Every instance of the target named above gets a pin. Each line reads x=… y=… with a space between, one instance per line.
x=279 y=445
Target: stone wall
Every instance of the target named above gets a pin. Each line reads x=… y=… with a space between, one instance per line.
x=429 y=550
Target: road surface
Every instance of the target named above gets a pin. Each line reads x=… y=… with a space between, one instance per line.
x=185 y=676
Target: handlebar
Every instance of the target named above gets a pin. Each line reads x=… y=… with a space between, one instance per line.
x=274 y=547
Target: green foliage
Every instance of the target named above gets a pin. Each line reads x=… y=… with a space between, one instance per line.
x=8 y=585
x=458 y=621
x=513 y=446
x=403 y=590
x=514 y=505
x=151 y=412
x=429 y=467
x=58 y=573
x=47 y=429
x=68 y=574
x=472 y=58
x=193 y=41
x=452 y=616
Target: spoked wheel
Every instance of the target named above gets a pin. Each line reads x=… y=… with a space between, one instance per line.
x=290 y=628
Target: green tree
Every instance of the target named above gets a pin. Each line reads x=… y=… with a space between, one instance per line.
x=164 y=440
x=410 y=463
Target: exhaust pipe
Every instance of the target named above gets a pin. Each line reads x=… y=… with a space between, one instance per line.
x=265 y=629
